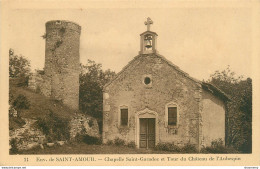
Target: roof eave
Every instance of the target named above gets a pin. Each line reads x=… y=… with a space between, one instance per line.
x=216 y=91
x=148 y=32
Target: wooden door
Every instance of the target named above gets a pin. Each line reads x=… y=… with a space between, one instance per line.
x=147 y=132
x=151 y=133
x=143 y=133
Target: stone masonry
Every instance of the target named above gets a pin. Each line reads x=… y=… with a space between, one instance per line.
x=27 y=136
x=60 y=79
x=138 y=101
x=85 y=124
x=169 y=85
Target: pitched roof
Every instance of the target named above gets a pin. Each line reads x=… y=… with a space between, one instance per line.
x=214 y=90
x=148 y=32
x=206 y=86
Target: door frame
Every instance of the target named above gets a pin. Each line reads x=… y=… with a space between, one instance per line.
x=146 y=113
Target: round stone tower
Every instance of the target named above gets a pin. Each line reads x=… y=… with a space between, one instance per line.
x=62 y=66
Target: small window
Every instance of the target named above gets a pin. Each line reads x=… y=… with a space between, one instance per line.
x=124 y=117
x=172 y=116
x=147 y=80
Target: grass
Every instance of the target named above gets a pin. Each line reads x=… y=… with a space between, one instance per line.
x=40 y=105
x=82 y=148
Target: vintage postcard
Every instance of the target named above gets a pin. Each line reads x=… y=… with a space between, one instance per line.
x=130 y=83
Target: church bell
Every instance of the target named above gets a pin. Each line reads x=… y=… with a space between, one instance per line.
x=148 y=41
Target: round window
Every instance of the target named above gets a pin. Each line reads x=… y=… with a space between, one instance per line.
x=147 y=80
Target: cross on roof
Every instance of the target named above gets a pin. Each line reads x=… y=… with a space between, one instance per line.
x=148 y=23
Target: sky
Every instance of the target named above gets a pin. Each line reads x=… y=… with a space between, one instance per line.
x=198 y=40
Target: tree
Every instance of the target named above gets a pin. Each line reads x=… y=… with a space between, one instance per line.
x=92 y=79
x=18 y=65
x=21 y=102
x=19 y=68
x=239 y=116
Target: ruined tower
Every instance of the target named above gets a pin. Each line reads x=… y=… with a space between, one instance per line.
x=62 y=65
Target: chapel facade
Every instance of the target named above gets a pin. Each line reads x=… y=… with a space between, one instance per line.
x=152 y=101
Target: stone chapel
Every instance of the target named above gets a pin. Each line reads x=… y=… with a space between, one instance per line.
x=152 y=101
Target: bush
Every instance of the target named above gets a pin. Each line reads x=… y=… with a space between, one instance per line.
x=119 y=142
x=23 y=81
x=21 y=102
x=131 y=144
x=217 y=147
x=189 y=148
x=85 y=138
x=167 y=147
x=109 y=142
x=78 y=138
x=14 y=149
x=49 y=139
x=54 y=127
x=15 y=122
x=90 y=123
x=91 y=140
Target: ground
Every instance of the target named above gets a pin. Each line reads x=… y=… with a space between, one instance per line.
x=40 y=105
x=82 y=148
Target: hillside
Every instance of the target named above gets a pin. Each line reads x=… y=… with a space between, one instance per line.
x=40 y=106
x=35 y=120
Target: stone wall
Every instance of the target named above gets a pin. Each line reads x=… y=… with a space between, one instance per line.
x=40 y=83
x=27 y=137
x=168 y=85
x=86 y=124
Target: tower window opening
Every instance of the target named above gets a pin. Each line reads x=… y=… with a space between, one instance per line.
x=148 y=42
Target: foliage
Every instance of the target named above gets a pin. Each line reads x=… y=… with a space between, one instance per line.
x=131 y=144
x=15 y=123
x=49 y=139
x=217 y=147
x=18 y=104
x=92 y=79
x=85 y=138
x=167 y=147
x=189 y=148
x=239 y=117
x=19 y=67
x=14 y=149
x=110 y=142
x=119 y=142
x=90 y=123
x=21 y=102
x=54 y=127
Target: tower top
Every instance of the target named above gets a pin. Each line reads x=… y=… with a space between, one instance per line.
x=148 y=22
x=55 y=24
x=148 y=39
